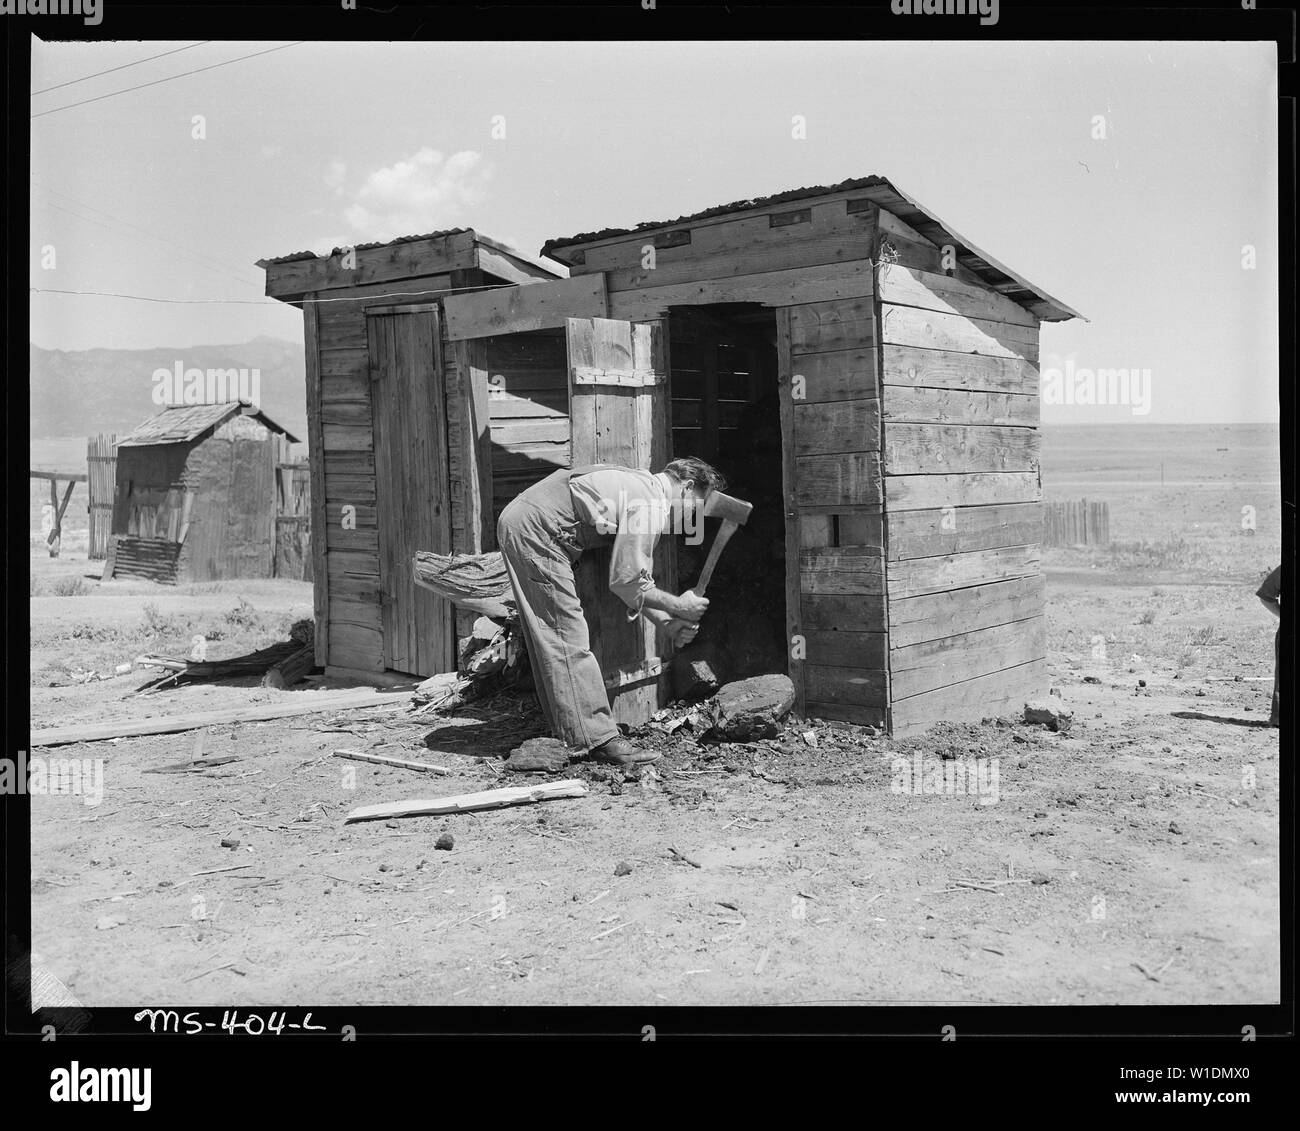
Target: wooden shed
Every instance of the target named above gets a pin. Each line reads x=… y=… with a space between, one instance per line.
x=196 y=495
x=864 y=375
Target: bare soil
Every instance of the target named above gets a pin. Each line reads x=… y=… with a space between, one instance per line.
x=1132 y=860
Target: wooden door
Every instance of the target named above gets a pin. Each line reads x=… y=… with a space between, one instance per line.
x=618 y=398
x=412 y=495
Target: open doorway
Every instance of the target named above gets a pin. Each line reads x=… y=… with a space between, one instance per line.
x=725 y=409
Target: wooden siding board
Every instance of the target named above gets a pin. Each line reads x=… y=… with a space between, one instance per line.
x=836 y=375
x=769 y=288
x=917 y=576
x=927 y=290
x=928 y=329
x=934 y=664
x=985 y=696
x=512 y=310
x=836 y=427
x=941 y=449
x=903 y=404
x=933 y=616
x=952 y=530
x=949 y=369
x=921 y=492
x=379 y=266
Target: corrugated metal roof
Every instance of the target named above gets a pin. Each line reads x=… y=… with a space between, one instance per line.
x=179 y=424
x=888 y=197
x=297 y=255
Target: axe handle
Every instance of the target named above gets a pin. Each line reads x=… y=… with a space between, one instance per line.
x=727 y=529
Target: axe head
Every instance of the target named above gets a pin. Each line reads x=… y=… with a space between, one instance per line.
x=718 y=505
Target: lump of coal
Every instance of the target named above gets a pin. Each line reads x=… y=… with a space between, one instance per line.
x=694 y=677
x=749 y=708
x=538 y=756
x=1055 y=716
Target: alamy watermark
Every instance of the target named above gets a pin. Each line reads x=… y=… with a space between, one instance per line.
x=90 y=10
x=987 y=10
x=644 y=516
x=81 y=777
x=181 y=386
x=974 y=777
x=1081 y=386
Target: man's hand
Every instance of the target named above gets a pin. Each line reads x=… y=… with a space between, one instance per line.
x=681 y=632
x=691 y=606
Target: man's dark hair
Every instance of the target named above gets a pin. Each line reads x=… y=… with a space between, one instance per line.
x=697 y=473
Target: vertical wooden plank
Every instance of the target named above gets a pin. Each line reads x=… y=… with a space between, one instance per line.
x=789 y=486
x=316 y=456
x=476 y=445
x=616 y=423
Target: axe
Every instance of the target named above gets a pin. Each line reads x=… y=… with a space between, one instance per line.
x=734 y=514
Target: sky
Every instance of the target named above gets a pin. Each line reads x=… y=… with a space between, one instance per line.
x=1123 y=179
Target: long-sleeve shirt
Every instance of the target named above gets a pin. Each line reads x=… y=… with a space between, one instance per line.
x=633 y=506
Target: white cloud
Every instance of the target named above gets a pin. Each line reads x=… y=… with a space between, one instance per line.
x=422 y=193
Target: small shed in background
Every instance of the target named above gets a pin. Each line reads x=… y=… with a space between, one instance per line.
x=197 y=495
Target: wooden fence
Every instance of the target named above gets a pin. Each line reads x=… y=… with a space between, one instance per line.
x=292 y=514
x=1076 y=522
x=101 y=468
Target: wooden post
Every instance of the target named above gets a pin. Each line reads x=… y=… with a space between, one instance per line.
x=316 y=449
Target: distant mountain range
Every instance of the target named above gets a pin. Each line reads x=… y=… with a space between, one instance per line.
x=83 y=392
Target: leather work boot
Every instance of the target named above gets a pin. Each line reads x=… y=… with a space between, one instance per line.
x=621 y=752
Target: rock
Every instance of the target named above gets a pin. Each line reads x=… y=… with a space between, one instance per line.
x=1142 y=683
x=623 y=868
x=446 y=842
x=1055 y=716
x=1173 y=828
x=108 y=922
x=230 y=842
x=694 y=678
x=749 y=708
x=1092 y=679
x=538 y=756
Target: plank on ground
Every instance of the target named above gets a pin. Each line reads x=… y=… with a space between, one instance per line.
x=469 y=802
x=305 y=703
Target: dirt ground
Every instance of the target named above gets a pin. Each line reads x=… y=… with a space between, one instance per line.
x=1140 y=851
